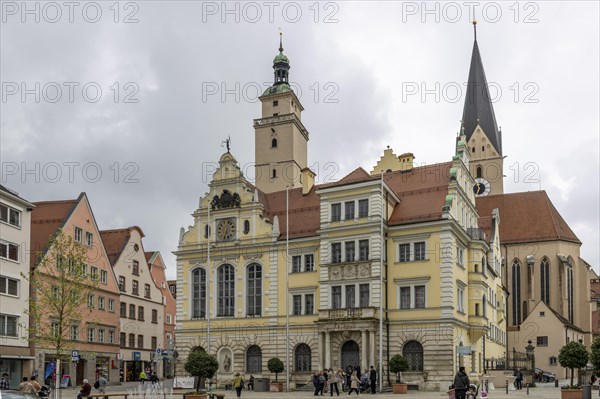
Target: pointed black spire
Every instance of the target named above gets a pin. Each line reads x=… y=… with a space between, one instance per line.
x=478 y=109
x=280 y=42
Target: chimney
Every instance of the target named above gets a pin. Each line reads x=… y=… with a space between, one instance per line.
x=406 y=161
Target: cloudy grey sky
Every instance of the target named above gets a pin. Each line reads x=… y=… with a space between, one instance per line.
x=130 y=101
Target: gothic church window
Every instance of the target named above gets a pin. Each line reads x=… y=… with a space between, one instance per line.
x=516 y=293
x=545 y=281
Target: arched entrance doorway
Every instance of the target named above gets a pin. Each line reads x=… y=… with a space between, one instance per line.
x=350 y=355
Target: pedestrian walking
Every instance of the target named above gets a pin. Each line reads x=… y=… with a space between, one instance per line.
x=142 y=376
x=518 y=379
x=334 y=380
x=238 y=384
x=373 y=379
x=4 y=384
x=354 y=383
x=102 y=384
x=316 y=383
x=461 y=383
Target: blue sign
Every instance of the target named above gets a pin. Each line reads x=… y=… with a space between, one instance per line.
x=137 y=355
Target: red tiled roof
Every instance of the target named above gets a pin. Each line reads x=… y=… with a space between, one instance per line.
x=527 y=217
x=304 y=212
x=115 y=241
x=358 y=175
x=46 y=218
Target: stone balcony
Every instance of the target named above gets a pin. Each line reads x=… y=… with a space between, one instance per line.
x=348 y=313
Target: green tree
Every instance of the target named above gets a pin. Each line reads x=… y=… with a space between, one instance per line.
x=573 y=355
x=595 y=355
x=60 y=290
x=275 y=366
x=202 y=365
x=398 y=364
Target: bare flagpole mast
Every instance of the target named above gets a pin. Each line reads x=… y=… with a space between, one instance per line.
x=383 y=248
x=287 y=274
x=208 y=274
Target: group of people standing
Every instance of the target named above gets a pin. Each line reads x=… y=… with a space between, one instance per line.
x=350 y=380
x=27 y=385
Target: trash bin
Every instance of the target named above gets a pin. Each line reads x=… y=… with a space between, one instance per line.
x=261 y=384
x=587 y=391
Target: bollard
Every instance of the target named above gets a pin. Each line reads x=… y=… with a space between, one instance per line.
x=587 y=391
x=556 y=383
x=507 y=386
x=527 y=387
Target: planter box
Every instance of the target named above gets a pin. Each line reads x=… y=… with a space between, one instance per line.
x=195 y=396
x=399 y=388
x=276 y=387
x=571 y=393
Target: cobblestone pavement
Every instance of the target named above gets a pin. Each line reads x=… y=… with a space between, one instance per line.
x=545 y=392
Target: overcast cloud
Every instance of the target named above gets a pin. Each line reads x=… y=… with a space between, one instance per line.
x=360 y=69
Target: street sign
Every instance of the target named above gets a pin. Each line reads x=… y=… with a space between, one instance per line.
x=464 y=350
x=158 y=350
x=74 y=353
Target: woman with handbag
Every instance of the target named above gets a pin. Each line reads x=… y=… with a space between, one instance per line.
x=238 y=384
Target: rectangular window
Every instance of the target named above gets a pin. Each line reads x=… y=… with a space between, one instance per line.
x=9 y=251
x=122 y=283
x=90 y=301
x=542 y=341
x=91 y=336
x=101 y=303
x=363 y=250
x=140 y=341
x=350 y=251
x=296 y=264
x=94 y=273
x=309 y=304
x=8 y=325
x=309 y=262
x=168 y=319
x=132 y=340
x=9 y=286
x=74 y=333
x=123 y=309
x=336 y=297
x=350 y=295
x=297 y=305
x=336 y=252
x=111 y=305
x=147 y=291
x=141 y=313
x=461 y=300
x=459 y=255
x=10 y=215
x=111 y=336
x=364 y=295
x=135 y=270
x=363 y=208
x=349 y=210
x=101 y=335
x=89 y=239
x=336 y=212
x=54 y=330
x=132 y=311
x=404 y=297
x=420 y=250
x=122 y=339
x=153 y=343
x=419 y=297
x=78 y=234
x=103 y=276
x=404 y=251
x=154 y=316
x=135 y=287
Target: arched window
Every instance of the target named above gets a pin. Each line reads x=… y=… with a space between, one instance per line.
x=199 y=294
x=254 y=359
x=274 y=143
x=479 y=168
x=246 y=226
x=254 y=290
x=274 y=175
x=302 y=358
x=206 y=231
x=225 y=290
x=473 y=149
x=516 y=293
x=482 y=148
x=484 y=305
x=545 y=280
x=413 y=352
x=198 y=349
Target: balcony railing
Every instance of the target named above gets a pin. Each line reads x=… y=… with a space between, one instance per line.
x=347 y=313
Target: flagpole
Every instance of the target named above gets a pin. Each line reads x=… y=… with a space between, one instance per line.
x=208 y=273
x=383 y=248
x=287 y=274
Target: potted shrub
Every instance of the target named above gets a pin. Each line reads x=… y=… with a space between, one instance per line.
x=275 y=366
x=200 y=365
x=573 y=356
x=398 y=364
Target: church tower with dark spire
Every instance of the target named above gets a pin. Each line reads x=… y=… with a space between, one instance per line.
x=280 y=138
x=484 y=139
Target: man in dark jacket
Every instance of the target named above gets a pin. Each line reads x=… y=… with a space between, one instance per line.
x=461 y=383
x=373 y=379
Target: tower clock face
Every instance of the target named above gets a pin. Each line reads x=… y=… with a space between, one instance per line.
x=226 y=230
x=481 y=187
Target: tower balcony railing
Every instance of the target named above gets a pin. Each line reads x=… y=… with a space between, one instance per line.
x=348 y=313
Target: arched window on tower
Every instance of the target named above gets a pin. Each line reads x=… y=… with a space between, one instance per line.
x=516 y=293
x=479 y=171
x=246 y=226
x=274 y=175
x=545 y=281
x=274 y=143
